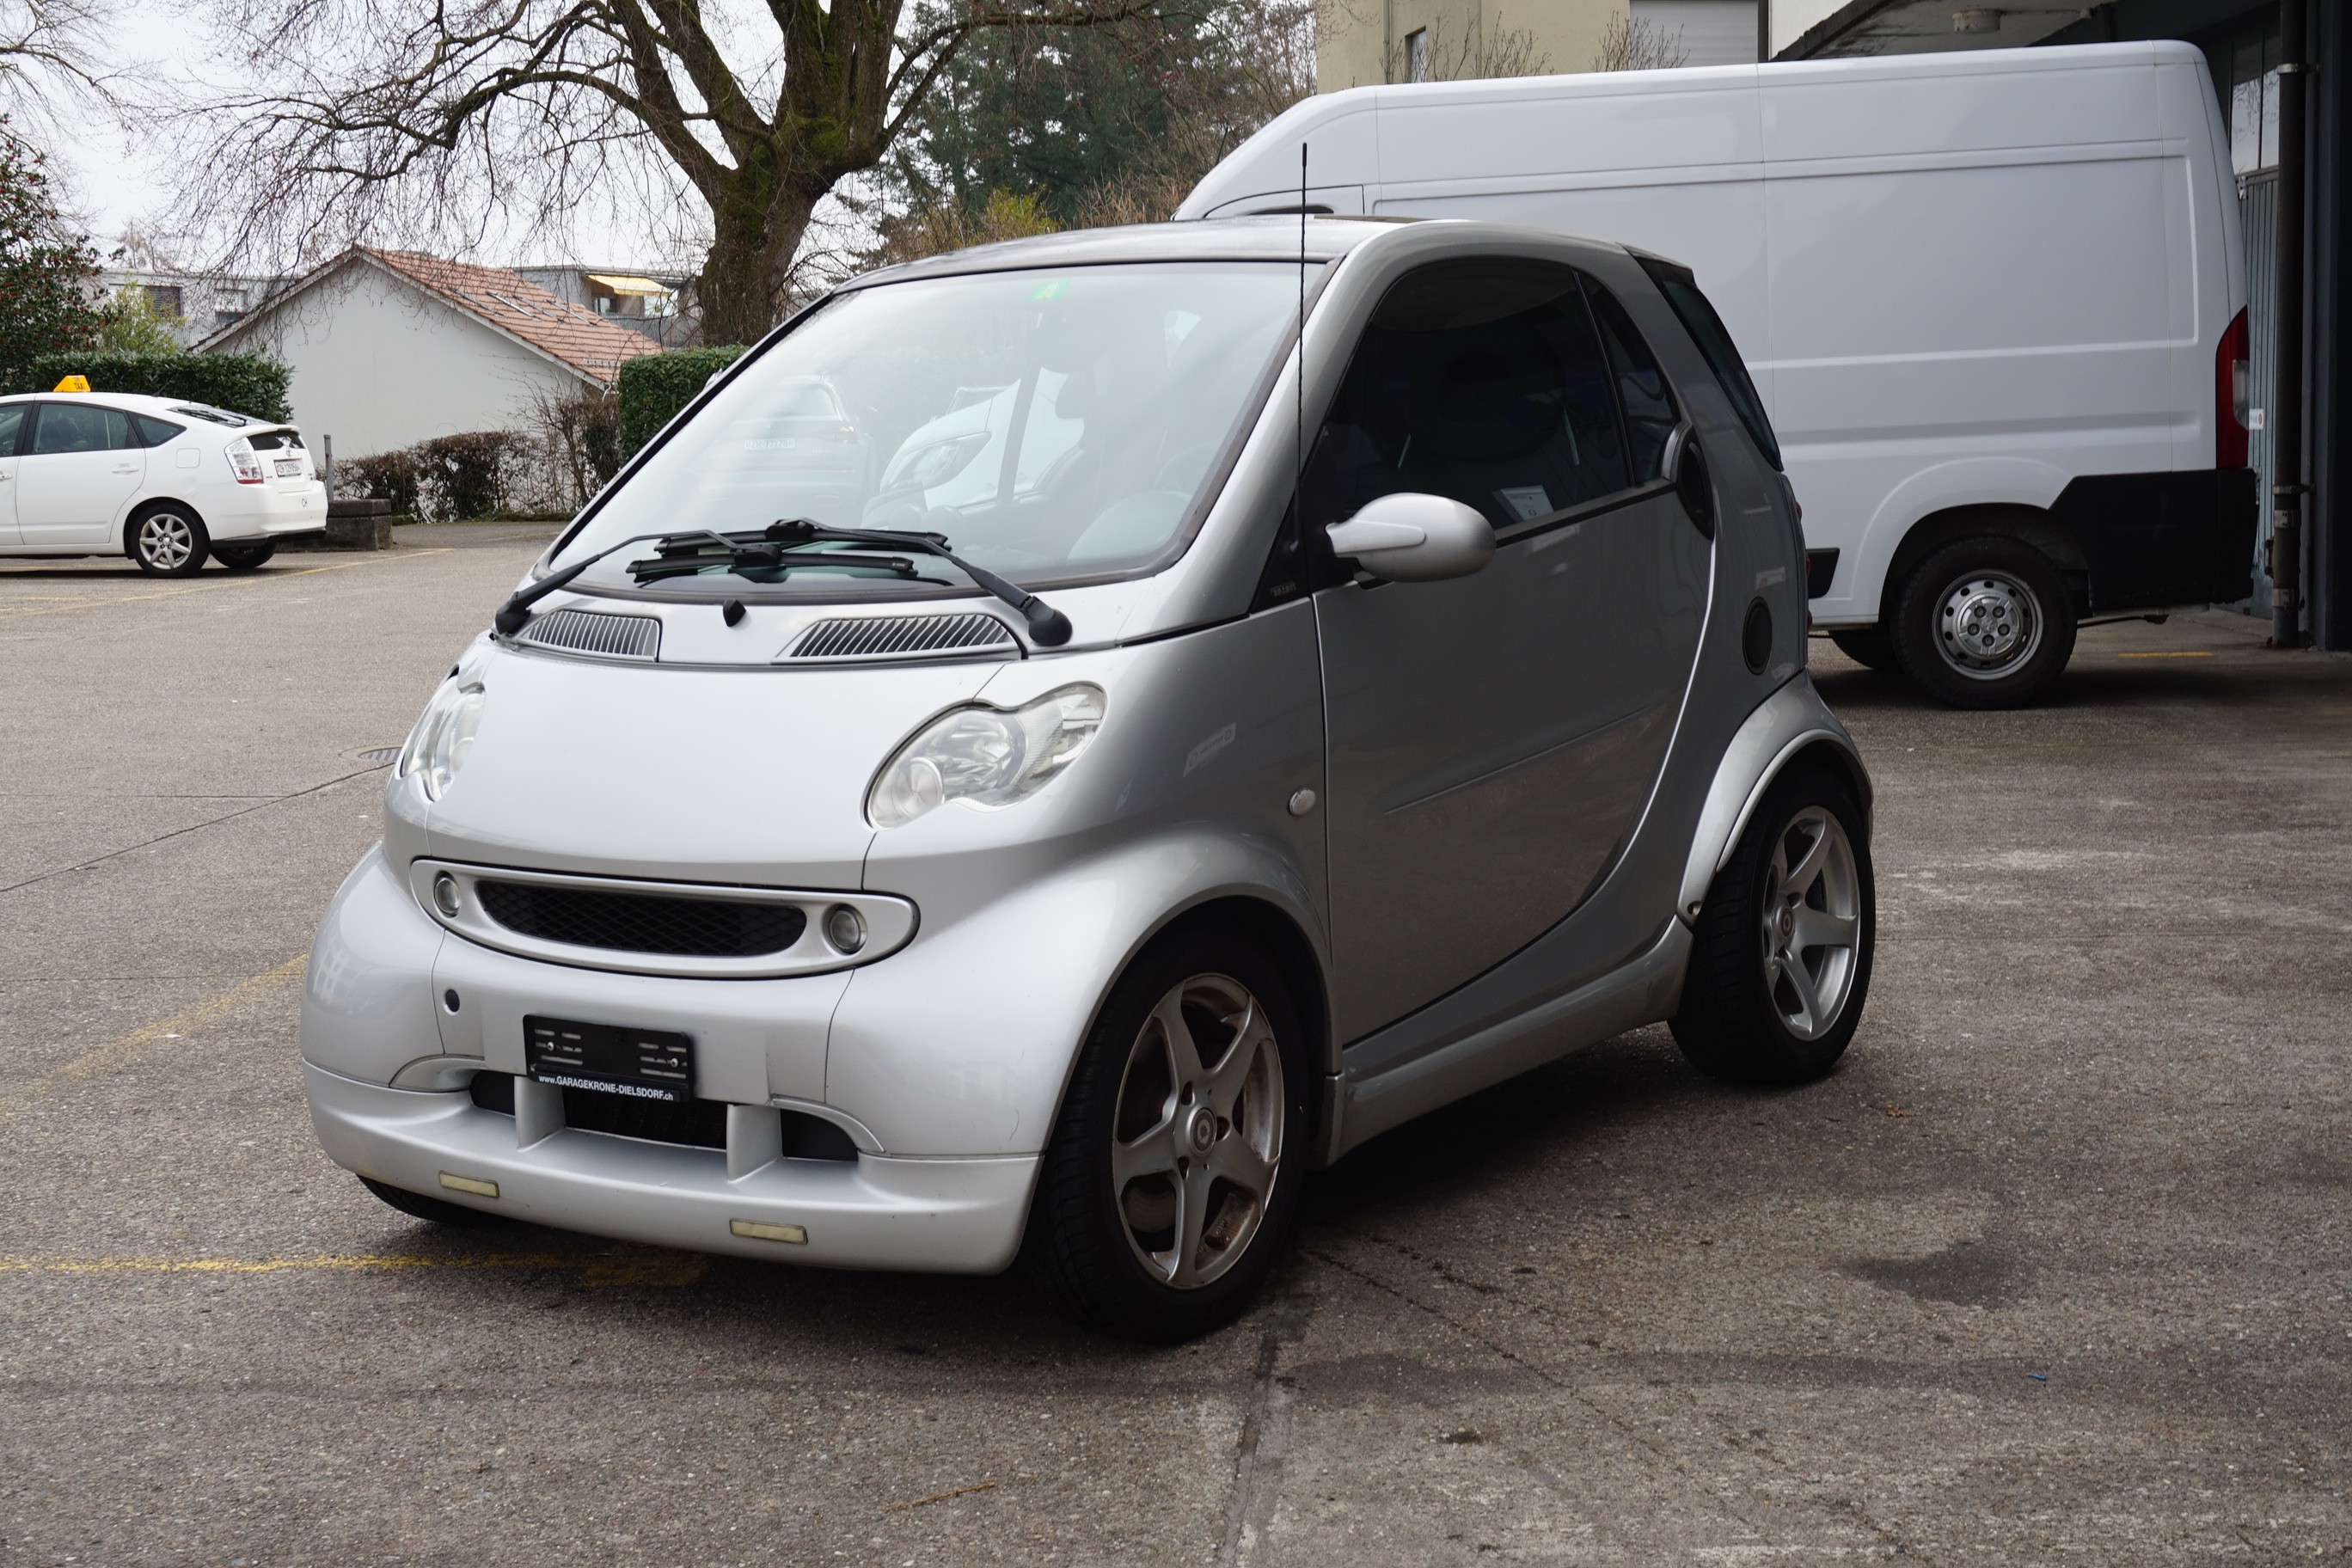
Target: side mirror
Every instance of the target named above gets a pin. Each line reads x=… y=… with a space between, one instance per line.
x=1684 y=466
x=1410 y=538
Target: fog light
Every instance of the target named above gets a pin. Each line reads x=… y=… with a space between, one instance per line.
x=753 y=1230
x=480 y=1189
x=845 y=928
x=444 y=894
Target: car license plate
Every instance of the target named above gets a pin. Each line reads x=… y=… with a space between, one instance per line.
x=645 y=1064
x=289 y=468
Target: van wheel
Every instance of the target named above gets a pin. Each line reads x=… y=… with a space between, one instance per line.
x=1172 y=1179
x=1984 y=623
x=417 y=1205
x=167 y=540
x=1868 y=647
x=1781 y=960
x=244 y=557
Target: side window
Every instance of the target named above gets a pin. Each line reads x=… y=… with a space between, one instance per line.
x=77 y=428
x=1482 y=381
x=1642 y=390
x=152 y=432
x=11 y=428
x=1714 y=344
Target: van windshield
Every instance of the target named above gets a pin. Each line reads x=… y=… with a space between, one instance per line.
x=1049 y=424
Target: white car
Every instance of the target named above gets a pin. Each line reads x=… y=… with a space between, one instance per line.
x=163 y=481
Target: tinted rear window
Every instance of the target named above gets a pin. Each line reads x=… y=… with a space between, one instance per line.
x=270 y=440
x=1714 y=340
x=154 y=432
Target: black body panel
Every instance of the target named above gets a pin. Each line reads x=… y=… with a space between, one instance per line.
x=2157 y=540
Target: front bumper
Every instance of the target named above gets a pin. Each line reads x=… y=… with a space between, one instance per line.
x=952 y=1217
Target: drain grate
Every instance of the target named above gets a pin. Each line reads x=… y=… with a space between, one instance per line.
x=380 y=756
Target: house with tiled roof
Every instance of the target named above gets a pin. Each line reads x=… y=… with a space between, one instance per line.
x=393 y=347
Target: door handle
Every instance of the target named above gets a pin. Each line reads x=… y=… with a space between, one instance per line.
x=126 y=467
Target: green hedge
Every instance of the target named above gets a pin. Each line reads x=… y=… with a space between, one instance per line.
x=242 y=384
x=653 y=387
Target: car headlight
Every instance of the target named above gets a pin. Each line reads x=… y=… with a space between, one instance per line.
x=436 y=748
x=985 y=756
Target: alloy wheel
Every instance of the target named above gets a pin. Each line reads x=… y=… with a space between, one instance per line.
x=1812 y=924
x=166 y=541
x=1196 y=1133
x=1987 y=624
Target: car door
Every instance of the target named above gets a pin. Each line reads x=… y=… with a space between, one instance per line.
x=1492 y=738
x=12 y=431
x=82 y=464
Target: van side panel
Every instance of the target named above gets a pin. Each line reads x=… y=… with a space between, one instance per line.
x=2001 y=283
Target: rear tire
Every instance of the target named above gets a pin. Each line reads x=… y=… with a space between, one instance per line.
x=1869 y=647
x=1172 y=1181
x=417 y=1205
x=1985 y=622
x=245 y=557
x=167 y=540
x=1779 y=961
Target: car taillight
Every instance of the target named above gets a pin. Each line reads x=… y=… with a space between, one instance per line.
x=243 y=463
x=2230 y=396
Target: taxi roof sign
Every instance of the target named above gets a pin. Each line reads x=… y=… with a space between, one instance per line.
x=72 y=383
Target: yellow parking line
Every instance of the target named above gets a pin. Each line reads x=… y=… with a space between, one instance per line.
x=620 y=1265
x=328 y=1262
x=99 y=602
x=130 y=1044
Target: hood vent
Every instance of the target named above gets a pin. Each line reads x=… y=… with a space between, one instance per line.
x=903 y=636
x=586 y=631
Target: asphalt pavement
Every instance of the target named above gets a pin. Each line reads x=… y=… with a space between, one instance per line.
x=2054 y=1270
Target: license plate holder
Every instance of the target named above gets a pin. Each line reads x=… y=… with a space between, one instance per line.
x=289 y=468
x=644 y=1064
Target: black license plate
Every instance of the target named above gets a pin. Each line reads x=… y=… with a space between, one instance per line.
x=645 y=1064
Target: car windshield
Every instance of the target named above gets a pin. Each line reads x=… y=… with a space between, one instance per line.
x=1049 y=424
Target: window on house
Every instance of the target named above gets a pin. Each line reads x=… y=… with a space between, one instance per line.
x=2245 y=68
x=164 y=297
x=230 y=300
x=1416 y=55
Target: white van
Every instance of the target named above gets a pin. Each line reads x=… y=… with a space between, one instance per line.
x=1993 y=303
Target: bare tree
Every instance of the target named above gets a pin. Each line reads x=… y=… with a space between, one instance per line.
x=434 y=119
x=50 y=55
x=1636 y=43
x=1473 y=56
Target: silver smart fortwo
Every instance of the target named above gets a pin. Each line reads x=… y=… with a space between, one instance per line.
x=970 y=789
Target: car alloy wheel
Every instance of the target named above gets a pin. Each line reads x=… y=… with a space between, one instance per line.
x=165 y=540
x=1196 y=1135
x=1812 y=924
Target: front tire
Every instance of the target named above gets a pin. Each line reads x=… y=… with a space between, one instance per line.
x=245 y=557
x=1781 y=959
x=417 y=1205
x=1985 y=623
x=167 y=540
x=1172 y=1180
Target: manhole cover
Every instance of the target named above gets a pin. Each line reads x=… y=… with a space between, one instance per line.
x=381 y=755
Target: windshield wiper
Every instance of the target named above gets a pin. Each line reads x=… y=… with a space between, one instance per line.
x=684 y=551
x=685 y=562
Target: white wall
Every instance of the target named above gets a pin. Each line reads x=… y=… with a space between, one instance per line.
x=380 y=364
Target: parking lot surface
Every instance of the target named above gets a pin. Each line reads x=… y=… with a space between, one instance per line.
x=2055 y=1268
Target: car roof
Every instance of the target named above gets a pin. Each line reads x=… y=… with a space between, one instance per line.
x=1275 y=237
x=141 y=403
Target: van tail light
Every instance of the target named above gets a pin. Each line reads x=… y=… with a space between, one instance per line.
x=2230 y=396
x=246 y=467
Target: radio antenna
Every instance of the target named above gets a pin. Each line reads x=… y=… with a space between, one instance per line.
x=1298 y=493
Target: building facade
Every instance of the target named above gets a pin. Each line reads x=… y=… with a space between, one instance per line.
x=1368 y=43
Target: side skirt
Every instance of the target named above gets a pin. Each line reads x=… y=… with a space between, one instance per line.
x=1643 y=990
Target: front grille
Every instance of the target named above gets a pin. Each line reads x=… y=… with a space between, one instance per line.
x=697 y=1123
x=643 y=923
x=902 y=636
x=694 y=1123
x=587 y=631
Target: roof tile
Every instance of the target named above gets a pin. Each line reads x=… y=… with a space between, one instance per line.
x=579 y=337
